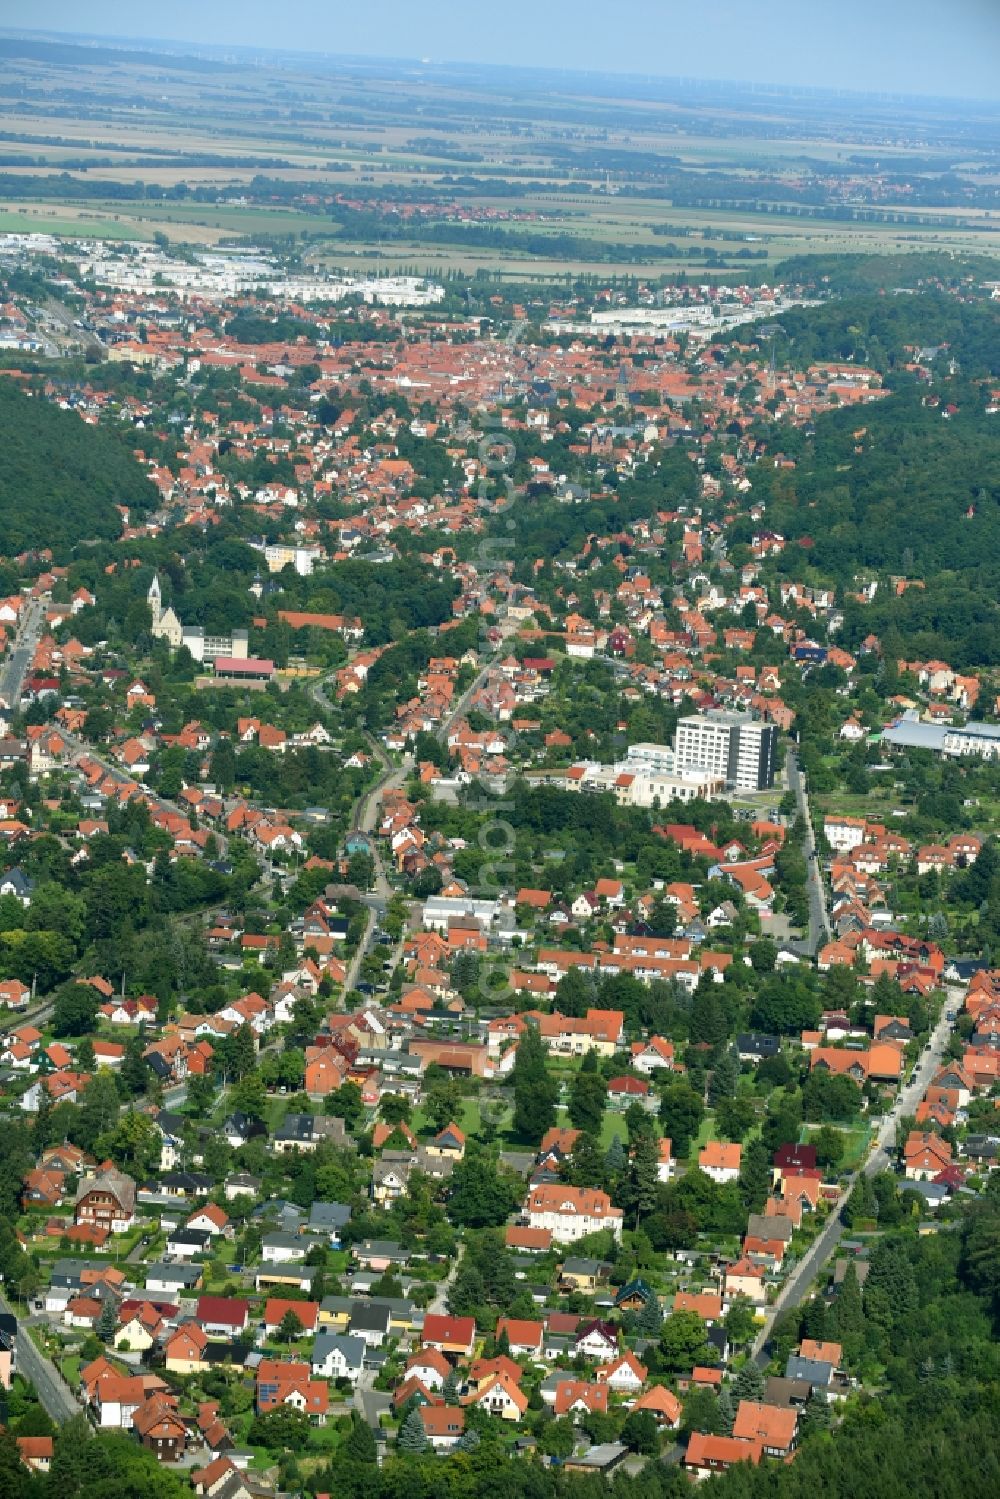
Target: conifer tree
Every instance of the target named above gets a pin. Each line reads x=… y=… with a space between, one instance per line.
x=816 y=1414
x=535 y=1092
x=359 y=1444
x=412 y=1437
x=650 y=1318
x=107 y=1322
x=749 y=1382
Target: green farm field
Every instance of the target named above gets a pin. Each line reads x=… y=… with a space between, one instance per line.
x=244 y=151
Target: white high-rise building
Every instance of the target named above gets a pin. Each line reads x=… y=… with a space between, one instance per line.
x=734 y=746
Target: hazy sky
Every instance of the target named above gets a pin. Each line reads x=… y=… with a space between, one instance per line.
x=912 y=46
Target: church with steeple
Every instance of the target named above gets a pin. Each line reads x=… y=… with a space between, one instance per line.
x=166 y=625
x=203 y=647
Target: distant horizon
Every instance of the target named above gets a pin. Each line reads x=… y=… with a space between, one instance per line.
x=906 y=48
x=187 y=46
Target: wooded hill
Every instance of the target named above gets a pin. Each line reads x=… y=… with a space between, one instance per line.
x=905 y=488
x=61 y=478
x=883 y=330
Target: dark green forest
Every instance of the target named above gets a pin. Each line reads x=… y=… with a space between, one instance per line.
x=918 y=494
x=61 y=478
x=545 y=527
x=388 y=598
x=883 y=330
x=847 y=274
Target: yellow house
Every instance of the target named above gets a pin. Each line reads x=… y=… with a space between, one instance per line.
x=582 y=1274
x=135 y=1335
x=185 y=1348
x=450 y=1143
x=400 y=1320
x=276 y=1276
x=500 y=1395
x=744 y=1278
x=336 y=1317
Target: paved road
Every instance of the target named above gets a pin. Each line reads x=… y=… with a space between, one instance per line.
x=35 y=1015
x=353 y=970
x=139 y=1252
x=366 y=810
x=461 y=707
x=53 y=1391
x=364 y=820
x=376 y=911
x=80 y=749
x=366 y=816
x=371 y=1404
x=797 y=1287
x=819 y=925
x=318 y=693
x=15 y=668
x=910 y=1096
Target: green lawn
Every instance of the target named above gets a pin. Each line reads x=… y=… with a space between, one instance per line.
x=856 y=1137
x=613 y=1124
x=468 y=1118
x=275 y=1110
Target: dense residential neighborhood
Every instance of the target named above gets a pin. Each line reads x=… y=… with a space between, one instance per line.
x=500 y=891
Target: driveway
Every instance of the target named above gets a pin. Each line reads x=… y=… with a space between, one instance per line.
x=439 y=1306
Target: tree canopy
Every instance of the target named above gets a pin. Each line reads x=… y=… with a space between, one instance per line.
x=62 y=478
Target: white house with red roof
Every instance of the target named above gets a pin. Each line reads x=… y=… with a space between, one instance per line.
x=654 y=1055
x=624 y=1374
x=570 y=1213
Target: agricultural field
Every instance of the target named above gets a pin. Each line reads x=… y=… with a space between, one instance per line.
x=518 y=173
